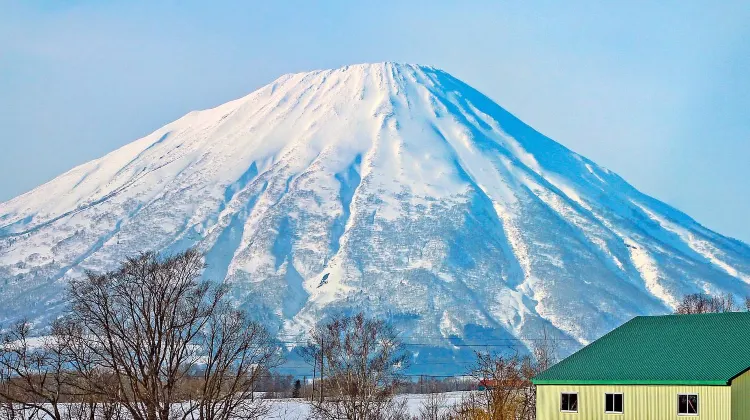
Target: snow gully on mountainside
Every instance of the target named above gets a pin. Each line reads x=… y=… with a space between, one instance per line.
x=393 y=188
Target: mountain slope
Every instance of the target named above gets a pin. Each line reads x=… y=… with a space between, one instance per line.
x=393 y=188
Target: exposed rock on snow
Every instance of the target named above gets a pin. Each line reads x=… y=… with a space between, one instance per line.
x=393 y=188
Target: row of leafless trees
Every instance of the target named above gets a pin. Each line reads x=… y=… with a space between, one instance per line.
x=148 y=341
x=151 y=340
x=699 y=303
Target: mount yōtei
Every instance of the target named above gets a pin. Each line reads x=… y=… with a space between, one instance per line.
x=391 y=188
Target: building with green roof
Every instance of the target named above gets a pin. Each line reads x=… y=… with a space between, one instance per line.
x=655 y=367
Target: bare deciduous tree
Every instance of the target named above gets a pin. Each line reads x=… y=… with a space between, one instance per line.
x=237 y=353
x=39 y=379
x=506 y=390
x=544 y=353
x=434 y=407
x=91 y=388
x=33 y=375
x=471 y=407
x=165 y=342
x=362 y=364
x=544 y=350
x=504 y=385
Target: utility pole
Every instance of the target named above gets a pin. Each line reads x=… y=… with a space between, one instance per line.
x=312 y=394
x=322 y=349
x=252 y=387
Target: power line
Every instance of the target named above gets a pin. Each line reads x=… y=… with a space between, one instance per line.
x=436 y=344
x=437 y=337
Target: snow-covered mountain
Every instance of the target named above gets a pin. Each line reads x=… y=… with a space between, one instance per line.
x=393 y=188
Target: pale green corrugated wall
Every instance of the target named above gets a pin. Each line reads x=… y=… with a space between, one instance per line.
x=641 y=402
x=741 y=397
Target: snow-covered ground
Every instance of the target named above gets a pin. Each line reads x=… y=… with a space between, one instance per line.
x=295 y=409
x=390 y=188
x=298 y=409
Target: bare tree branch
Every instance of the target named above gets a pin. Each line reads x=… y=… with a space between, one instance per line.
x=150 y=340
x=362 y=365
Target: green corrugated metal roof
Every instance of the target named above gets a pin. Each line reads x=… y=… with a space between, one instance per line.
x=706 y=349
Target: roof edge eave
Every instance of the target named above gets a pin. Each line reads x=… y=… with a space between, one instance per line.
x=630 y=382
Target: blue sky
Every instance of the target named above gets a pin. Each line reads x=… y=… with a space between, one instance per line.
x=657 y=91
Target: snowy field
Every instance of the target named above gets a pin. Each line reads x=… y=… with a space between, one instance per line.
x=299 y=409
x=294 y=409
